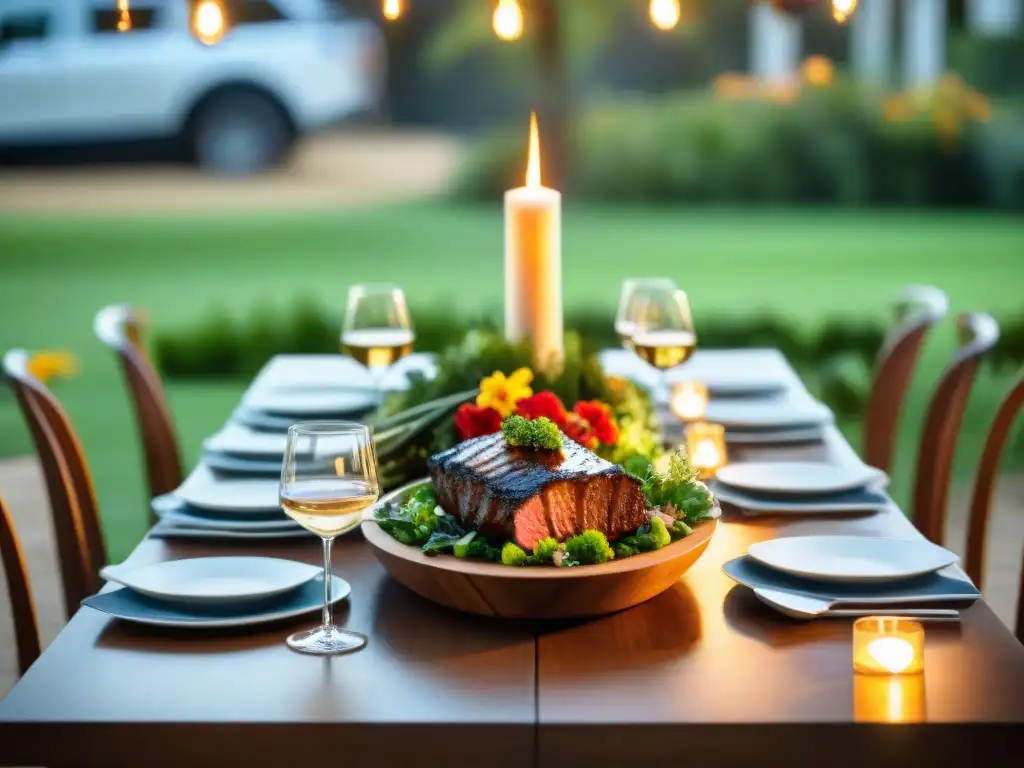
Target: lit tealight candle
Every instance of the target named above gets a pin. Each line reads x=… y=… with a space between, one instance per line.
x=689 y=401
x=884 y=645
x=705 y=445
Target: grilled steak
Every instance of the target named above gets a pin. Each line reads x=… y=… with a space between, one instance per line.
x=530 y=495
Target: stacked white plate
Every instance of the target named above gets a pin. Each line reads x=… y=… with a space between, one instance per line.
x=798 y=487
x=214 y=591
x=794 y=417
x=208 y=507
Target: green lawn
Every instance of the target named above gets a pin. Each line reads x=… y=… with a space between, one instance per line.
x=55 y=273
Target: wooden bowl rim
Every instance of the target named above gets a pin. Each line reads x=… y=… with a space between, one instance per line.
x=383 y=540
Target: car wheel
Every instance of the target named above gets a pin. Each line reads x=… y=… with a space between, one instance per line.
x=240 y=133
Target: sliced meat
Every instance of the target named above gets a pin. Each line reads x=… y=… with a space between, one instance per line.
x=530 y=495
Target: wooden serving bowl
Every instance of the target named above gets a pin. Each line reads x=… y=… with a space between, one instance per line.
x=538 y=592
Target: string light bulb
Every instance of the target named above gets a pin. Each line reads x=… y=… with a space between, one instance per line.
x=665 y=14
x=209 y=22
x=842 y=10
x=392 y=10
x=124 y=20
x=508 y=20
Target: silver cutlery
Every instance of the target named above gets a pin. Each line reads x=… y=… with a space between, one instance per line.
x=804 y=607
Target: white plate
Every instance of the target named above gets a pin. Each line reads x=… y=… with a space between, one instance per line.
x=313 y=400
x=797 y=477
x=188 y=532
x=851 y=558
x=201 y=489
x=214 y=579
x=238 y=440
x=129 y=606
x=725 y=372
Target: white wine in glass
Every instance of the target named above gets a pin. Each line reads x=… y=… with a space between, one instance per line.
x=377 y=330
x=664 y=349
x=633 y=290
x=328 y=480
x=663 y=334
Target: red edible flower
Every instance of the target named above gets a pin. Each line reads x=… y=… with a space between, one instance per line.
x=473 y=421
x=600 y=423
x=544 y=403
x=578 y=429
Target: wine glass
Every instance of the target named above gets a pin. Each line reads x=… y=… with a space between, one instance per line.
x=377 y=330
x=633 y=289
x=663 y=334
x=329 y=477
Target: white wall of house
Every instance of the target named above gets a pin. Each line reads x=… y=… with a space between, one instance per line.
x=994 y=17
x=775 y=43
x=871 y=41
x=924 y=42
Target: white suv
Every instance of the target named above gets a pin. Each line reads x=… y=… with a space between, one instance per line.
x=281 y=68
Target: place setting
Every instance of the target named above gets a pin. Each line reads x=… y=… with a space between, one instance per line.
x=812 y=577
x=800 y=488
x=376 y=346
x=209 y=507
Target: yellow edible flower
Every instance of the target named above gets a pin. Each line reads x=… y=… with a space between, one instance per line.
x=502 y=393
x=52 y=364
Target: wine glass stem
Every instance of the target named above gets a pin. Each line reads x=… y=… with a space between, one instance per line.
x=328 y=619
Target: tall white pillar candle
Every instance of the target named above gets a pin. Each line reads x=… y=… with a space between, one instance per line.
x=533 y=263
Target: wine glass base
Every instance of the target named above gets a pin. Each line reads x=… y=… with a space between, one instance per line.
x=328 y=641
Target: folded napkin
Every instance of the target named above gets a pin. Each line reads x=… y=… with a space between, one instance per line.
x=948 y=585
x=869 y=499
x=174 y=531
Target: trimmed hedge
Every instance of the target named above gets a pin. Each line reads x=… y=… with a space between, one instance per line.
x=836 y=145
x=837 y=356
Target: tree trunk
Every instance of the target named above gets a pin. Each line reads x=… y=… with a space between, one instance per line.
x=554 y=110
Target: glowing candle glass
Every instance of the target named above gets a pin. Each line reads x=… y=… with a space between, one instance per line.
x=889 y=698
x=689 y=401
x=888 y=645
x=705 y=445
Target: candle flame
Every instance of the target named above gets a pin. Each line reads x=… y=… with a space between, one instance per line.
x=893 y=653
x=533 y=158
x=124 y=21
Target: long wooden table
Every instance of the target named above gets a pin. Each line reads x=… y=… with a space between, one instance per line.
x=703 y=673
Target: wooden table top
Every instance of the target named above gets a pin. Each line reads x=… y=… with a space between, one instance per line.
x=702 y=671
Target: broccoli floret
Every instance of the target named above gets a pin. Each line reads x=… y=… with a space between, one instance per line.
x=679 y=530
x=589 y=548
x=480 y=549
x=622 y=549
x=544 y=550
x=660 y=536
x=512 y=554
x=539 y=434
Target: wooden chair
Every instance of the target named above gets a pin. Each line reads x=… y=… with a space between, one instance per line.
x=978 y=334
x=984 y=488
x=73 y=509
x=26 y=627
x=917 y=310
x=121 y=328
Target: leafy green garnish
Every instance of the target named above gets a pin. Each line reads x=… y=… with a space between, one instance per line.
x=539 y=434
x=678 y=491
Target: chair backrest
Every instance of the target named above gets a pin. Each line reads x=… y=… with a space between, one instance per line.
x=978 y=333
x=121 y=328
x=26 y=627
x=68 y=482
x=918 y=308
x=985 y=485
